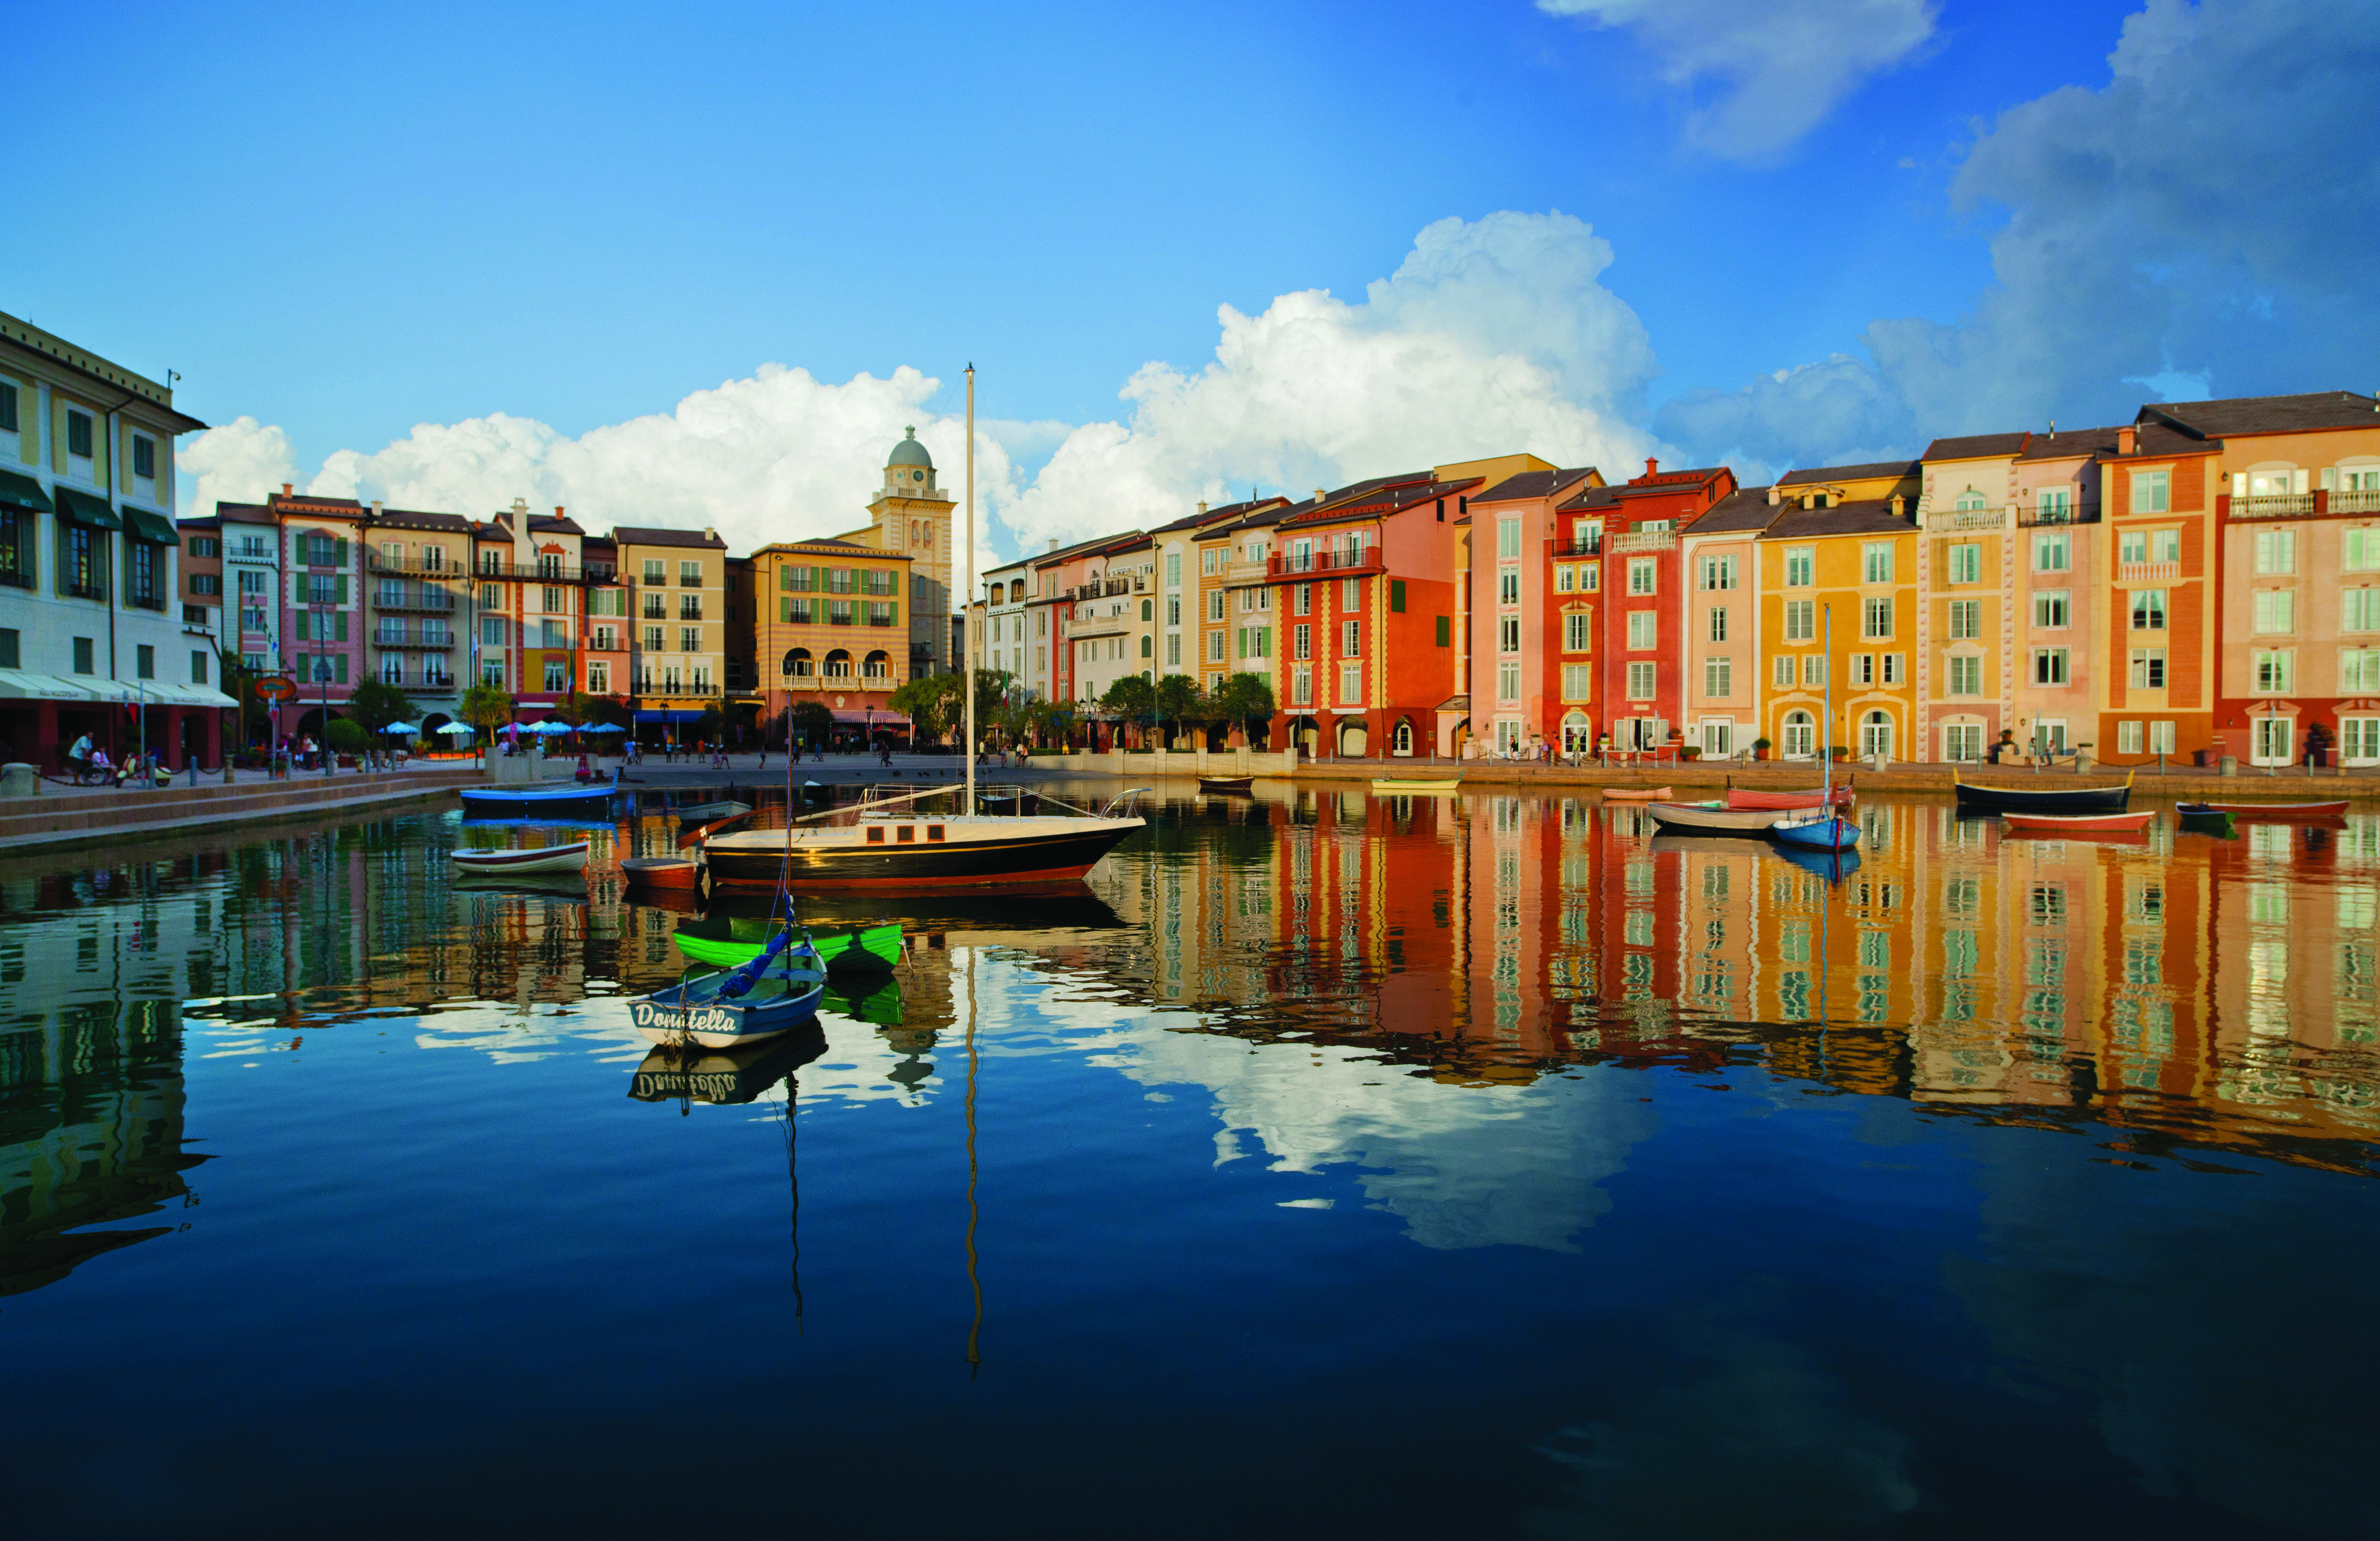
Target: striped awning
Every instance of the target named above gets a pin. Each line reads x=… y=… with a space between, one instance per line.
x=19 y=685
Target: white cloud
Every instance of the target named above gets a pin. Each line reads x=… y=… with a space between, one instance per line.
x=1493 y=335
x=1782 y=65
x=2203 y=223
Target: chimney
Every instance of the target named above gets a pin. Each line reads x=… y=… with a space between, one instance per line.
x=287 y=490
x=557 y=512
x=1775 y=497
x=709 y=533
x=2126 y=438
x=1651 y=467
x=1319 y=495
x=520 y=506
x=1202 y=505
x=375 y=508
x=1053 y=547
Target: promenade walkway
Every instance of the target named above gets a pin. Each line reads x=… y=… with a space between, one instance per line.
x=68 y=816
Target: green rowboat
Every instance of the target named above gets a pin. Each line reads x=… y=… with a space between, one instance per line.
x=872 y=948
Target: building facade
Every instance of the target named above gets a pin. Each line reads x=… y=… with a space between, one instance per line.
x=834 y=633
x=1837 y=592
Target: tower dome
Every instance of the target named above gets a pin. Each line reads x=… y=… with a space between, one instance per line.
x=908 y=452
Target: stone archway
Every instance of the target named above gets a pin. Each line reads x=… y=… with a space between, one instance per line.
x=1352 y=738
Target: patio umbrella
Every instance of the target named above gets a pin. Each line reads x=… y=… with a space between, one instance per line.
x=456 y=729
x=603 y=727
x=546 y=729
x=400 y=727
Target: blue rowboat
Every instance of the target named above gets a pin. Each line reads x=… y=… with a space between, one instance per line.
x=1817 y=834
x=778 y=991
x=561 y=802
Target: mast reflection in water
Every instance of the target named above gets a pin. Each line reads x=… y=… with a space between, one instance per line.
x=1656 y=1187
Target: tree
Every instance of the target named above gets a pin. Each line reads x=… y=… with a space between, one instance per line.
x=813 y=721
x=347 y=737
x=1246 y=699
x=376 y=703
x=486 y=707
x=1178 y=700
x=931 y=702
x=1131 y=699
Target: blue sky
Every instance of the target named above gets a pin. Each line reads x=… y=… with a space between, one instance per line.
x=540 y=230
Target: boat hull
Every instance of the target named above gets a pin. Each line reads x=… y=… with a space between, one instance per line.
x=991 y=863
x=2018 y=799
x=1397 y=783
x=574 y=803
x=2080 y=823
x=1793 y=802
x=2290 y=813
x=552 y=858
x=872 y=949
x=1817 y=834
x=726 y=1075
x=1227 y=783
x=661 y=872
x=694 y=1012
x=703 y=813
x=1717 y=821
x=1638 y=794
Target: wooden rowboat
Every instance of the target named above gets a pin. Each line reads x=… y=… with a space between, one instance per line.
x=1711 y=818
x=661 y=872
x=2041 y=799
x=1815 y=797
x=571 y=857
x=1415 y=783
x=705 y=813
x=2273 y=812
x=1229 y=785
x=1637 y=794
x=2078 y=823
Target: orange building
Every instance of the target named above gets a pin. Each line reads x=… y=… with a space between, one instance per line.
x=831 y=631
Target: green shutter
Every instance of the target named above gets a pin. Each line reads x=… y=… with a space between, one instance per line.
x=784 y=578
x=339 y=624
x=784 y=607
x=339 y=662
x=1445 y=629
x=1397 y=595
x=341 y=559
x=893 y=608
x=339 y=589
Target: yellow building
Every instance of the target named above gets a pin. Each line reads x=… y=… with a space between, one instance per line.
x=1844 y=550
x=831 y=630
x=677 y=604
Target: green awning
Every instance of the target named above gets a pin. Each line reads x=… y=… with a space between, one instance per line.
x=22 y=492
x=142 y=525
x=84 y=509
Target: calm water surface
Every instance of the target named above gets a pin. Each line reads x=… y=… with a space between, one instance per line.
x=1328 y=1165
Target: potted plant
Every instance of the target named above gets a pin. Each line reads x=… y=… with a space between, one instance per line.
x=2317 y=744
x=1691 y=751
x=1760 y=748
x=1838 y=752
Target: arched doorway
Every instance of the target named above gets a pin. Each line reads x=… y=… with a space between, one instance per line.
x=1352 y=738
x=1798 y=736
x=1305 y=737
x=1876 y=736
x=1401 y=743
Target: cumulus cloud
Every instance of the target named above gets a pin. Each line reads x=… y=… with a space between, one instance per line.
x=1492 y=336
x=1770 y=69
x=2203 y=223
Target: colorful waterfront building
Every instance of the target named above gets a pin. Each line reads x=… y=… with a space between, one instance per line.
x=1526 y=615
x=676 y=583
x=832 y=632
x=1641 y=656
x=2296 y=485
x=322 y=602
x=1720 y=616
x=419 y=600
x=606 y=655
x=1842 y=550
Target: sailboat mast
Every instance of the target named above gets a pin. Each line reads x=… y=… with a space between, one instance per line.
x=1825 y=752
x=967 y=602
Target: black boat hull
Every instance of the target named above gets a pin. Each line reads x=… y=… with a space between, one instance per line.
x=971 y=864
x=2014 y=799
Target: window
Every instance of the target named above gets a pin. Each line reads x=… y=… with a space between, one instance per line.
x=2276 y=611
x=1966 y=620
x=2276 y=550
x=2053 y=607
x=1641 y=680
x=9 y=411
x=2359 y=737
x=598 y=677
x=2053 y=553
x=656 y=571
x=2160 y=738
x=1813 y=669
x=1644 y=630
x=792 y=611
x=1508 y=634
x=1781 y=672
x=1966 y=674
x=1801 y=567
x=1966 y=564
x=1970 y=498
x=2128 y=739
x=2056 y=504
x=1565 y=578
x=492 y=631
x=1718 y=572
x=1301 y=641
x=1508 y=586
x=1508 y=682
x=1876 y=737
x=1300 y=685
x=1173 y=569
x=1216 y=643
x=1718 y=623
x=2275 y=671
x=2363 y=546
x=1862 y=671
x=1719 y=678
x=1351 y=638
x=1875 y=618
x=2359 y=610
x=2049 y=666
x=554 y=633
x=1895 y=671
x=557 y=674
x=1578 y=681
x=1575 y=630
x=1508 y=537
x=1801 y=620
x=144 y=665
x=2359 y=671
x=689 y=576
x=82 y=655
x=1590 y=576
x=1876 y=562
x=2151 y=491
x=1215 y=605
x=689 y=639
x=1962 y=741
x=1642 y=575
x=78 y=433
x=1351 y=683
x=2148 y=610
x=2148 y=668
x=652 y=636
x=1800 y=735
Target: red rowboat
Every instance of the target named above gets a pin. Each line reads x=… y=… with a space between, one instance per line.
x=2276 y=811
x=1814 y=798
x=1636 y=793
x=661 y=872
x=2078 y=823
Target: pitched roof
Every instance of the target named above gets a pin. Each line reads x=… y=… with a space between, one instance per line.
x=2297 y=414
x=303 y=500
x=244 y=512
x=1066 y=553
x=1977 y=446
x=1531 y=484
x=2154 y=441
x=1848 y=473
x=1653 y=482
x=1746 y=508
x=1861 y=516
x=652 y=536
x=1378 y=498
x=410 y=518
x=1217 y=515
x=200 y=522
x=554 y=524
x=1590 y=497
x=2065 y=444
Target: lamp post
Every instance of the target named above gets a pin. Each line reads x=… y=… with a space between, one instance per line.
x=323 y=678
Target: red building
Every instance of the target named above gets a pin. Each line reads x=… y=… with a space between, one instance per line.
x=1532 y=610
x=1641 y=673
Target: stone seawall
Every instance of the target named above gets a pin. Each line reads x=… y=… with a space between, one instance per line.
x=71 y=818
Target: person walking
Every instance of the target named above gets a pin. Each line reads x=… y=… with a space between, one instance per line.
x=78 y=756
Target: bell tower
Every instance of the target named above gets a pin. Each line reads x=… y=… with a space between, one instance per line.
x=912 y=515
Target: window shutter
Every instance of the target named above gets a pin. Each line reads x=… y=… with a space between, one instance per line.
x=340 y=560
x=1396 y=588
x=339 y=625
x=339 y=589
x=892 y=609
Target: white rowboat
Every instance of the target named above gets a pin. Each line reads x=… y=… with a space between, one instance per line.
x=546 y=858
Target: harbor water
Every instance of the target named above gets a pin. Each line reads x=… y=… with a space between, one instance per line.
x=1328 y=1164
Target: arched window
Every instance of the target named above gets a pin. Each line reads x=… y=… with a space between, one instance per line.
x=1876 y=736
x=798 y=663
x=838 y=665
x=1147 y=612
x=1969 y=499
x=1403 y=743
x=1801 y=733
x=1148 y=646
x=877 y=666
x=925 y=536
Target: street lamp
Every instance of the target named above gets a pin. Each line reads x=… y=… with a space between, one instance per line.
x=322 y=677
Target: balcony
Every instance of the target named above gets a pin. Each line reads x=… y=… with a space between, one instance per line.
x=2360 y=499
x=1106 y=589
x=420 y=636
x=668 y=691
x=496 y=571
x=2131 y=574
x=1241 y=574
x=1643 y=541
x=434 y=601
x=1100 y=625
x=1969 y=518
x=1585 y=545
x=2056 y=517
x=1307 y=567
x=441 y=572
x=2274 y=505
